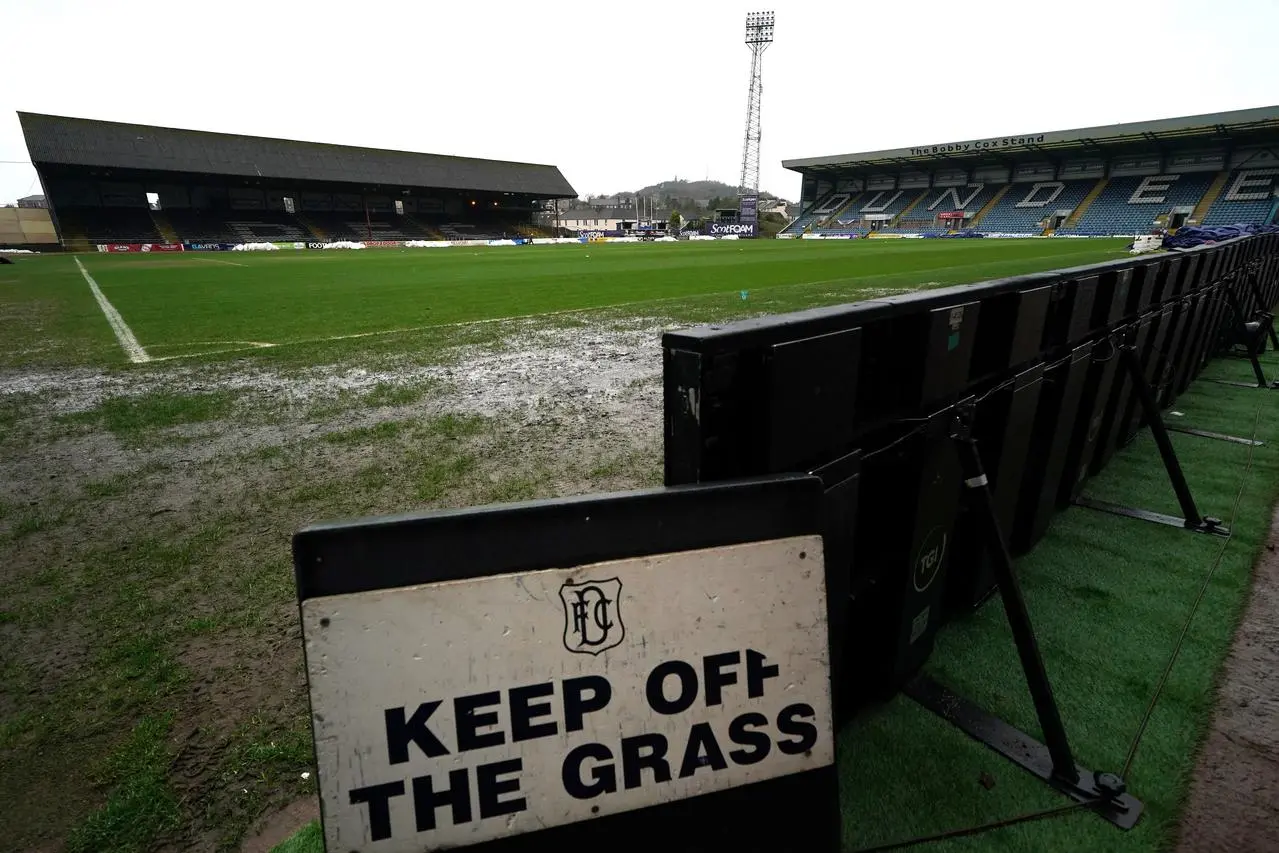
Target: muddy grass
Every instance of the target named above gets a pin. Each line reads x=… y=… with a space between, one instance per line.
x=151 y=686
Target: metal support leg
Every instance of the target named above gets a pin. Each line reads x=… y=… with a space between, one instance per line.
x=1262 y=309
x=1241 y=325
x=1190 y=518
x=1051 y=761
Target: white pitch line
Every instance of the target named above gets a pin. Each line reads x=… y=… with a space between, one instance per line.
x=123 y=333
x=884 y=291
x=252 y=345
x=216 y=261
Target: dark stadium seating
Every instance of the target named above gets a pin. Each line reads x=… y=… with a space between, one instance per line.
x=1126 y=205
x=1120 y=208
x=482 y=231
x=236 y=226
x=1024 y=206
x=845 y=215
x=971 y=199
x=353 y=225
x=823 y=208
x=1247 y=196
x=883 y=202
x=110 y=224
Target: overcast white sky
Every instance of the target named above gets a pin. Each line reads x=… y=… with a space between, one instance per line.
x=559 y=83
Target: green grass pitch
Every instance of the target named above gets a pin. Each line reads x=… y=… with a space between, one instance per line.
x=183 y=305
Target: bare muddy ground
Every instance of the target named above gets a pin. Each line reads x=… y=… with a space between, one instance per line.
x=150 y=660
x=1234 y=796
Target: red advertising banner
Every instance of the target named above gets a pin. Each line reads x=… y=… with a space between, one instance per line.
x=139 y=247
x=954 y=214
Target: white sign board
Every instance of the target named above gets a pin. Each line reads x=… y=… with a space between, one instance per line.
x=454 y=713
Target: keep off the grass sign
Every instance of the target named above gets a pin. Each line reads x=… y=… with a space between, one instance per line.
x=462 y=711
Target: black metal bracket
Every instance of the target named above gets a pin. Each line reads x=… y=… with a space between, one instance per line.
x=1051 y=761
x=1190 y=518
x=1254 y=287
x=1241 y=330
x=1105 y=791
x=1218 y=436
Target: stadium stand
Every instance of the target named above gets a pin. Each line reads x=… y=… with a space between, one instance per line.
x=1248 y=195
x=1122 y=179
x=969 y=198
x=261 y=226
x=478 y=231
x=1025 y=206
x=885 y=202
x=826 y=206
x=110 y=224
x=843 y=220
x=108 y=182
x=26 y=227
x=352 y=226
x=1132 y=205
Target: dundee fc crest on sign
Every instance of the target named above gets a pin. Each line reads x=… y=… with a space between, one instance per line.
x=592 y=618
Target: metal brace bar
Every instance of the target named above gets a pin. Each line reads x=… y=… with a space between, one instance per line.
x=1190 y=518
x=1219 y=436
x=1051 y=761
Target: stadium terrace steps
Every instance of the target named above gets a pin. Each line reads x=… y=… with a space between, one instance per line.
x=833 y=221
x=317 y=233
x=821 y=209
x=882 y=203
x=908 y=208
x=431 y=232
x=1082 y=207
x=195 y=225
x=361 y=226
x=963 y=199
x=1205 y=203
x=164 y=227
x=73 y=237
x=109 y=224
x=990 y=205
x=1248 y=196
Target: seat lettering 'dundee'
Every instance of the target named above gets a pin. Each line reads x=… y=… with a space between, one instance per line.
x=455 y=713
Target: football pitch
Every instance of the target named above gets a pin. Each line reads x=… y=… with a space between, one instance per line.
x=168 y=422
x=199 y=305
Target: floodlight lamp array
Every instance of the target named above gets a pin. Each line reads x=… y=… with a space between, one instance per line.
x=759 y=27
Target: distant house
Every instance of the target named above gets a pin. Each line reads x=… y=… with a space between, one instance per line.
x=37 y=201
x=596 y=219
x=610 y=202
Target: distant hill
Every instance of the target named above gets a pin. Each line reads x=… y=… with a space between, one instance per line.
x=691 y=198
x=700 y=190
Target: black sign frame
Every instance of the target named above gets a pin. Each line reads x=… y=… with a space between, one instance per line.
x=796 y=813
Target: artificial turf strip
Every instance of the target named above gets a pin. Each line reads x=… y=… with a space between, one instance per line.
x=1108 y=597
